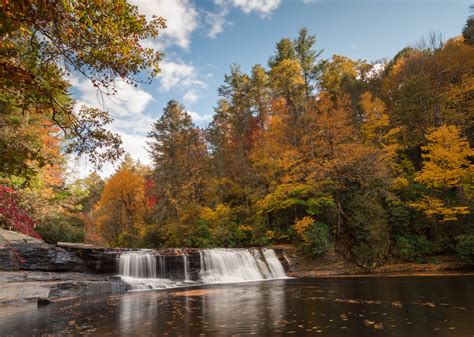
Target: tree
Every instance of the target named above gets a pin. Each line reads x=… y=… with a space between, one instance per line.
x=122 y=207
x=468 y=31
x=307 y=57
x=446 y=167
x=285 y=50
x=43 y=41
x=180 y=162
x=288 y=83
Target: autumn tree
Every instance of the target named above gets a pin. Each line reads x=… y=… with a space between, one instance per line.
x=121 y=209
x=43 y=41
x=447 y=170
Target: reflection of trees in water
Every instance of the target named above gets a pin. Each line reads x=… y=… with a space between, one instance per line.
x=245 y=307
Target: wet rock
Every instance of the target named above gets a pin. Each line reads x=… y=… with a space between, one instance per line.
x=43 y=257
x=97 y=260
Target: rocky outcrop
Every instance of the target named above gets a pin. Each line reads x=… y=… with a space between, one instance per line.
x=46 y=287
x=43 y=257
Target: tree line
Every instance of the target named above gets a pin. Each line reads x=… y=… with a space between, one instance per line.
x=373 y=161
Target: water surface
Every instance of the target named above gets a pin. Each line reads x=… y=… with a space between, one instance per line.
x=366 y=306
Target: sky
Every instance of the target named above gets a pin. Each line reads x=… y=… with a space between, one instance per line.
x=204 y=37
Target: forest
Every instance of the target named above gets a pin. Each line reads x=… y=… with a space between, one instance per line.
x=372 y=160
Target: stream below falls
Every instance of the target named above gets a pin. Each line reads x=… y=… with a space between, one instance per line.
x=354 y=306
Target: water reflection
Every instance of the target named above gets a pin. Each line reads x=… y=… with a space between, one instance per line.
x=428 y=306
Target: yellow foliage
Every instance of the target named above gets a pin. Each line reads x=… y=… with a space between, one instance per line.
x=270 y=235
x=433 y=207
x=122 y=205
x=217 y=215
x=375 y=119
x=446 y=158
x=287 y=73
x=336 y=70
x=301 y=225
x=399 y=183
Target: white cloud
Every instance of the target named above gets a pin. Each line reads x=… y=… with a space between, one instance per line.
x=177 y=74
x=190 y=97
x=181 y=20
x=135 y=145
x=130 y=122
x=217 y=22
x=262 y=7
x=128 y=101
x=200 y=119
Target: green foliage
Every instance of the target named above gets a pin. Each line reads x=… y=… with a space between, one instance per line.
x=367 y=222
x=62 y=229
x=151 y=238
x=468 y=31
x=201 y=236
x=414 y=248
x=318 y=241
x=465 y=248
x=125 y=239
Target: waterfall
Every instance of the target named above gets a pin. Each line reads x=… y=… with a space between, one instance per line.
x=162 y=267
x=239 y=265
x=275 y=266
x=146 y=270
x=139 y=265
x=185 y=263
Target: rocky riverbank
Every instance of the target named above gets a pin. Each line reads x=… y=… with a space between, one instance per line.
x=332 y=264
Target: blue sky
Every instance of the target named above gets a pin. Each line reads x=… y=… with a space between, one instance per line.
x=204 y=37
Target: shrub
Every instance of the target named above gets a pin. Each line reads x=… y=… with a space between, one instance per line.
x=465 y=248
x=125 y=239
x=12 y=216
x=318 y=239
x=314 y=236
x=414 y=248
x=62 y=229
x=200 y=237
x=368 y=229
x=151 y=238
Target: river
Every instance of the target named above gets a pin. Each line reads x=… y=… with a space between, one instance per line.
x=353 y=306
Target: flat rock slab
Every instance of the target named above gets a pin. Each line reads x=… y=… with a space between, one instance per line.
x=15 y=237
x=23 y=287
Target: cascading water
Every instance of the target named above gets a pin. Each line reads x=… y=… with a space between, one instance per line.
x=275 y=266
x=239 y=265
x=162 y=266
x=139 y=265
x=144 y=270
x=186 y=267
